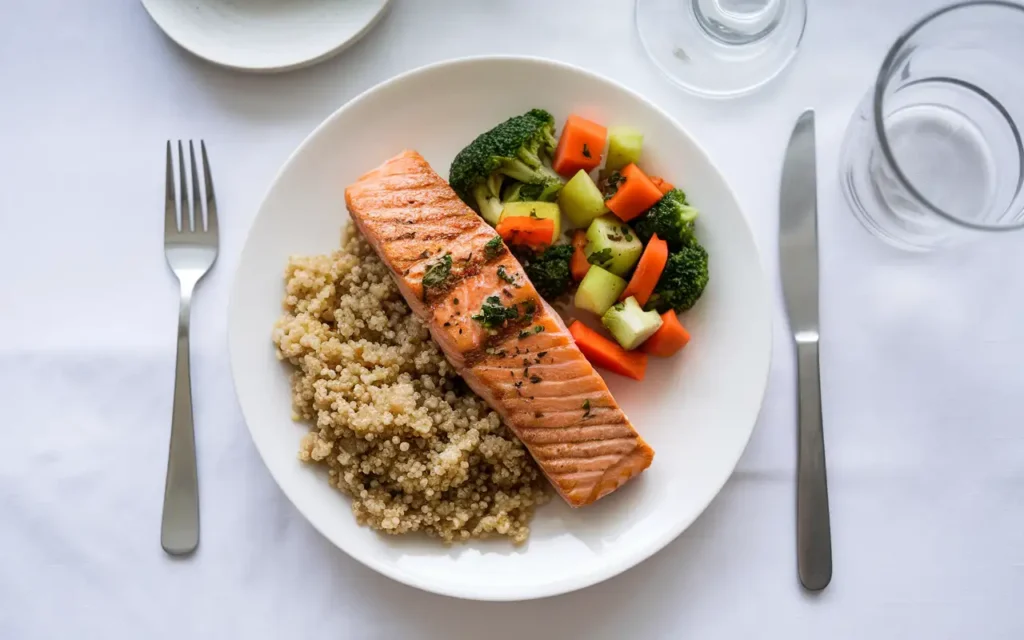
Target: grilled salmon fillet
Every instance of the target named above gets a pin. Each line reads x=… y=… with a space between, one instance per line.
x=449 y=267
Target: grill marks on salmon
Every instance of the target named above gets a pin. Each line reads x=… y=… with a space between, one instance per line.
x=528 y=368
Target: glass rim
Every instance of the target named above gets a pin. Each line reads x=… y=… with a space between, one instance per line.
x=885 y=73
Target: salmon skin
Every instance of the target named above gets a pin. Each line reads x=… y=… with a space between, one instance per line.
x=509 y=346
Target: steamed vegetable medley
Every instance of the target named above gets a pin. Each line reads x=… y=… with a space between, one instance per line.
x=623 y=246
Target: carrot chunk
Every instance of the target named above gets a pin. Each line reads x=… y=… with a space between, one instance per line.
x=531 y=232
x=602 y=352
x=579 y=265
x=579 y=147
x=648 y=270
x=667 y=340
x=663 y=185
x=633 y=193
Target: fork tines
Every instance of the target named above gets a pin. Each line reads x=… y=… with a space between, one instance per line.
x=190 y=220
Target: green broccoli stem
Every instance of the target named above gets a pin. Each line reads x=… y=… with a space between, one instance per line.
x=518 y=170
x=489 y=205
x=494 y=183
x=550 y=142
x=530 y=154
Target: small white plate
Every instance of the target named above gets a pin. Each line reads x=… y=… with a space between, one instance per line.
x=265 y=35
x=697 y=409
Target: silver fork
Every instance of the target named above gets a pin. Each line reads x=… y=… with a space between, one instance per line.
x=191 y=249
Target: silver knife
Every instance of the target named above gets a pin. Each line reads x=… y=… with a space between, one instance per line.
x=798 y=263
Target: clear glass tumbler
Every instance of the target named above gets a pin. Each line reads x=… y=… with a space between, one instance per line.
x=933 y=155
x=721 y=48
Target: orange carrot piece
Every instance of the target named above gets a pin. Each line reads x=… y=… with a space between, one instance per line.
x=602 y=352
x=579 y=265
x=531 y=232
x=663 y=185
x=667 y=340
x=579 y=147
x=648 y=270
x=634 y=195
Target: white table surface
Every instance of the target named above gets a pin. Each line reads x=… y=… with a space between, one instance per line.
x=921 y=358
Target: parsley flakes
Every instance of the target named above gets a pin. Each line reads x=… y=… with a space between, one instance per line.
x=437 y=273
x=494 y=314
x=493 y=248
x=530 y=332
x=601 y=258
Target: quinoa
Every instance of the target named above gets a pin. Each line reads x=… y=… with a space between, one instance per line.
x=393 y=423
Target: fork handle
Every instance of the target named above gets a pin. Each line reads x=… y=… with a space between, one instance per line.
x=179 y=531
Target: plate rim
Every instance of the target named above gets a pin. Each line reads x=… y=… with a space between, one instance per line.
x=629 y=560
x=277 y=68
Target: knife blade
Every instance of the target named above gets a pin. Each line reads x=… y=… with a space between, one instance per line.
x=798 y=266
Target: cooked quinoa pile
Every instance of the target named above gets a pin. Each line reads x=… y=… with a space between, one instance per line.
x=395 y=426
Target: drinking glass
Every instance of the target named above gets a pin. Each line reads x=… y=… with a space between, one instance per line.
x=933 y=155
x=721 y=48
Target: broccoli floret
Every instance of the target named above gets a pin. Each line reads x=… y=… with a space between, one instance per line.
x=519 y=192
x=549 y=271
x=517 y=149
x=683 y=280
x=671 y=218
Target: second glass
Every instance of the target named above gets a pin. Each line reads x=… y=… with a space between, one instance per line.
x=721 y=48
x=933 y=155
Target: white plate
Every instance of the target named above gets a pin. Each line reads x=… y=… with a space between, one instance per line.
x=697 y=409
x=265 y=35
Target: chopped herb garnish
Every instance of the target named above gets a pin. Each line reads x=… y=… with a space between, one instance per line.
x=504 y=275
x=586 y=408
x=612 y=183
x=493 y=247
x=586 y=150
x=533 y=213
x=437 y=273
x=542 y=354
x=625 y=232
x=529 y=307
x=601 y=258
x=455 y=300
x=531 y=332
x=494 y=314
x=535 y=379
x=508 y=294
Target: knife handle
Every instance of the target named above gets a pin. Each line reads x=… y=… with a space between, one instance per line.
x=814 y=535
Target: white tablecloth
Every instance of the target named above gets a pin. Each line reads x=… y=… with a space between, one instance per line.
x=921 y=359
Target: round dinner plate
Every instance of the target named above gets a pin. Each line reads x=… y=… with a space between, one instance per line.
x=265 y=35
x=696 y=409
